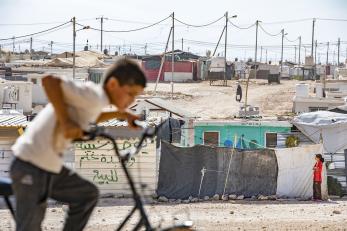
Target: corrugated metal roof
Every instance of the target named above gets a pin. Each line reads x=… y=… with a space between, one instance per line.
x=171 y=107
x=13 y=120
x=21 y=121
x=113 y=123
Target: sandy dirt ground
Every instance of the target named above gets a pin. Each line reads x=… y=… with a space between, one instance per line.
x=209 y=102
x=211 y=215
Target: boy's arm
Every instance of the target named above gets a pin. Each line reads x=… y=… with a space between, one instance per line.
x=52 y=86
x=104 y=116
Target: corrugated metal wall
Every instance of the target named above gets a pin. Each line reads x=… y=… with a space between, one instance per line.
x=97 y=162
x=151 y=68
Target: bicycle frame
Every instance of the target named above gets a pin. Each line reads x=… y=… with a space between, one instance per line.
x=148 y=133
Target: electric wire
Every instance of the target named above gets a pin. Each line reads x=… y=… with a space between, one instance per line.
x=242 y=28
x=273 y=35
x=288 y=21
x=203 y=25
x=125 y=31
x=291 y=40
x=36 y=33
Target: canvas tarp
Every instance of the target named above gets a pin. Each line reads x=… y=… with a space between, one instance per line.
x=295 y=174
x=83 y=59
x=252 y=172
x=332 y=126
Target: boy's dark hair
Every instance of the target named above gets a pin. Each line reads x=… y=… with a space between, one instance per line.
x=319 y=156
x=127 y=72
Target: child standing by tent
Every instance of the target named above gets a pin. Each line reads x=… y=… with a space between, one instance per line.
x=317 y=177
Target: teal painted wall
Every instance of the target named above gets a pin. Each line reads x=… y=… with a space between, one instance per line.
x=229 y=132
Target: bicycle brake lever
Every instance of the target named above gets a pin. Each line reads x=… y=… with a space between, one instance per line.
x=91 y=134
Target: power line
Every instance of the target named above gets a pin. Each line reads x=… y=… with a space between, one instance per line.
x=288 y=21
x=332 y=19
x=203 y=25
x=38 y=23
x=131 y=30
x=273 y=35
x=291 y=40
x=241 y=28
x=40 y=32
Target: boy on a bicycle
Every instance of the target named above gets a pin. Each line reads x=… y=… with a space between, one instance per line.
x=38 y=172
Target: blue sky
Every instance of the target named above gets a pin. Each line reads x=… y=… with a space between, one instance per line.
x=139 y=13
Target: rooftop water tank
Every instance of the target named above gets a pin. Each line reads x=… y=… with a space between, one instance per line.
x=319 y=90
x=302 y=90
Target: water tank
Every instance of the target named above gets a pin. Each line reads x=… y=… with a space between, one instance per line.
x=319 y=90
x=302 y=90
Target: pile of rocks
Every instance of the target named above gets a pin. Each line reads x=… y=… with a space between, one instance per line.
x=216 y=197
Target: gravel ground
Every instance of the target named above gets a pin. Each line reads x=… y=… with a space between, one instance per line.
x=209 y=102
x=211 y=215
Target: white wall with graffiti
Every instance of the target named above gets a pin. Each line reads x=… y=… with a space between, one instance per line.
x=96 y=161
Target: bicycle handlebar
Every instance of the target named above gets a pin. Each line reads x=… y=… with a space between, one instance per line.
x=97 y=131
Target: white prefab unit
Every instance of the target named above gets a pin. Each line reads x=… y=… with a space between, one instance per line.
x=302 y=90
x=39 y=95
x=217 y=64
x=178 y=76
x=309 y=61
x=16 y=94
x=320 y=70
x=310 y=104
x=285 y=71
x=240 y=66
x=340 y=73
x=274 y=69
x=319 y=90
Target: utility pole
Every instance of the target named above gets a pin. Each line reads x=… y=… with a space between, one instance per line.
x=182 y=44
x=313 y=24
x=261 y=53
x=299 y=49
x=172 y=54
x=327 y=53
x=225 y=48
x=13 y=44
x=146 y=49
x=315 y=53
x=266 y=55
x=256 y=49
x=101 y=30
x=305 y=51
x=162 y=61
x=315 y=61
x=74 y=48
x=31 y=48
x=282 y=31
x=51 y=45
x=338 y=52
x=294 y=54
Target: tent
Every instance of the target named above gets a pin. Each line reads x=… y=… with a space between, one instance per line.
x=205 y=171
x=83 y=59
x=330 y=127
x=295 y=171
